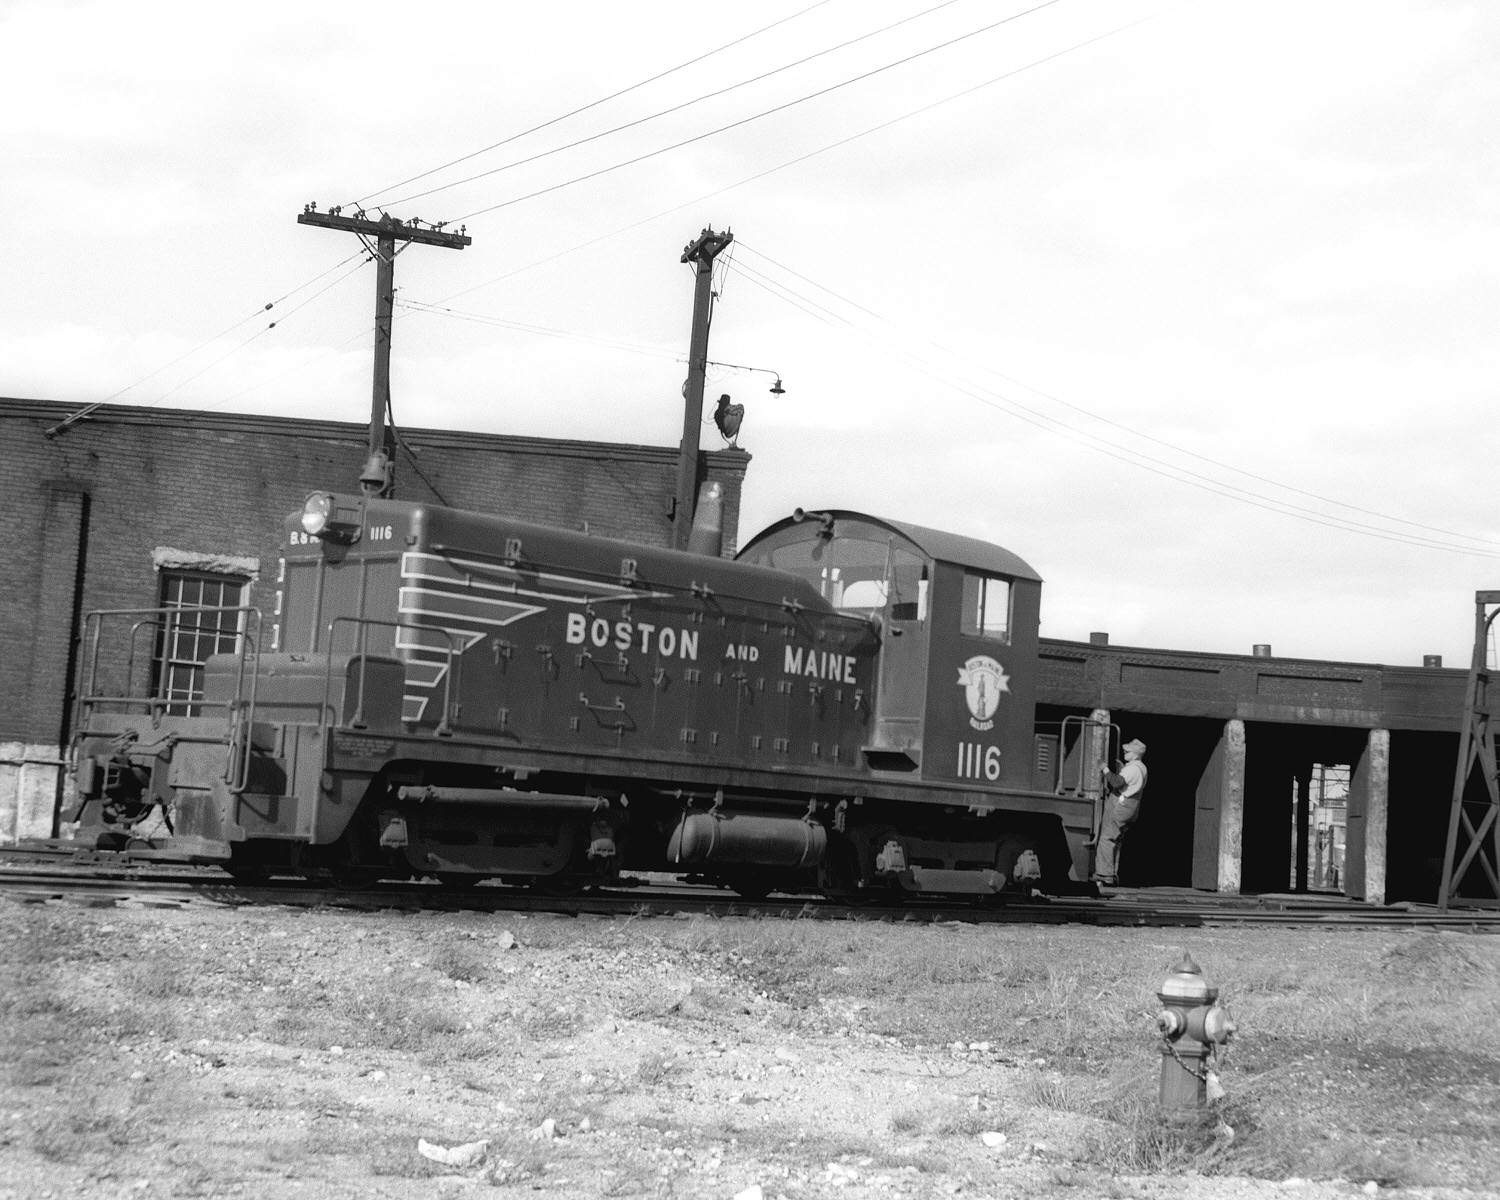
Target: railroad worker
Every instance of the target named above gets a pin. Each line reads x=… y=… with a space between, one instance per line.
x=1122 y=805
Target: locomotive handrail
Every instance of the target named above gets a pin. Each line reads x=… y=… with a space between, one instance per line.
x=358 y=722
x=1087 y=726
x=640 y=581
x=1092 y=791
x=247 y=640
x=237 y=770
x=130 y=654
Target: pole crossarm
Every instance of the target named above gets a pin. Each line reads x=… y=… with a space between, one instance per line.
x=1474 y=824
x=386 y=227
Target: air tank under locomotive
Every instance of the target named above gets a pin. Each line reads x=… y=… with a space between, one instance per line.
x=846 y=707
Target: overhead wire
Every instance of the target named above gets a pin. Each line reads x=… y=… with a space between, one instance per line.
x=824 y=149
x=1043 y=421
x=1051 y=424
x=183 y=357
x=594 y=241
x=543 y=330
x=743 y=121
x=724 y=91
x=1029 y=415
x=723 y=266
x=1121 y=426
x=762 y=174
x=987 y=396
x=1024 y=412
x=594 y=103
x=262 y=331
x=327 y=352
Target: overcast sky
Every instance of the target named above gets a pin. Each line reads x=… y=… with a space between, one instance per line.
x=1192 y=306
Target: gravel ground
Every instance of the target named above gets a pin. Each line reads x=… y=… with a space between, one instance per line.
x=210 y=1051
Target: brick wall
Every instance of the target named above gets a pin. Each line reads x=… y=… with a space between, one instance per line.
x=85 y=510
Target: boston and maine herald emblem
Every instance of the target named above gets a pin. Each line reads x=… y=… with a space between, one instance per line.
x=983 y=679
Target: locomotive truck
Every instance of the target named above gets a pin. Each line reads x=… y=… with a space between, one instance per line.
x=847 y=708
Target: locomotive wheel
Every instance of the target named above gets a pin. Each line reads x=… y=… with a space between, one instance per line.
x=1010 y=850
x=842 y=882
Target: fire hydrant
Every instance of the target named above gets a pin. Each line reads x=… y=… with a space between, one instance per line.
x=1193 y=1026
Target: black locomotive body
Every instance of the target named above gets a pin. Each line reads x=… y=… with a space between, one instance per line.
x=847 y=707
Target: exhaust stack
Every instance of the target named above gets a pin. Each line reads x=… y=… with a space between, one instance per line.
x=707 y=536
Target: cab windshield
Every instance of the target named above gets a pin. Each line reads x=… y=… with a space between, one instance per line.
x=857 y=574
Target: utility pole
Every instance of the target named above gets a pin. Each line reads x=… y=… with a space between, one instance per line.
x=701 y=254
x=378 y=476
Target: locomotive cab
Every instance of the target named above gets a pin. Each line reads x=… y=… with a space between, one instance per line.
x=956 y=683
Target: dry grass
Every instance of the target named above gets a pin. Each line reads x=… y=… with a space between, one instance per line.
x=1361 y=1055
x=1367 y=1056
x=653 y=1069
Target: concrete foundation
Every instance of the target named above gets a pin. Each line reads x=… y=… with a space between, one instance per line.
x=29 y=774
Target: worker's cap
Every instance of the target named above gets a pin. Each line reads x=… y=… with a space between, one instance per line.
x=1137 y=746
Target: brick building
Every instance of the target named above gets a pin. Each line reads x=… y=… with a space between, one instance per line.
x=134 y=508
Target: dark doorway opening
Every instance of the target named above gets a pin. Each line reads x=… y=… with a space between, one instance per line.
x=1297 y=780
x=1421 y=797
x=1158 y=849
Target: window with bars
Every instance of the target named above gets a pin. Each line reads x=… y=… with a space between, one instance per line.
x=194 y=626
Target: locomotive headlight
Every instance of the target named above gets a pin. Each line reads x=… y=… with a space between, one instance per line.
x=317 y=513
x=324 y=517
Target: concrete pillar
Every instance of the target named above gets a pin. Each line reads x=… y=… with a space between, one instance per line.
x=1370 y=800
x=1219 y=812
x=1232 y=808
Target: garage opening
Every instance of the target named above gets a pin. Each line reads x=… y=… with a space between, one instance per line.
x=1320 y=827
x=1158 y=851
x=1297 y=788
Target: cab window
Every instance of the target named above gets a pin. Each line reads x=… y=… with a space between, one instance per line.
x=986 y=607
x=910 y=577
x=857 y=574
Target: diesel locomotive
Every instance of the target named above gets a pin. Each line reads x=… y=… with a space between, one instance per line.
x=847 y=707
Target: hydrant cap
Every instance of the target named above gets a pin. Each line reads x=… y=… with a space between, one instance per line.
x=1186 y=983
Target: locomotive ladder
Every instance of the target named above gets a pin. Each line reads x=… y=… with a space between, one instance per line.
x=1477 y=819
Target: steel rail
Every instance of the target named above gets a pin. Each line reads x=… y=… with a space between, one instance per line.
x=92 y=884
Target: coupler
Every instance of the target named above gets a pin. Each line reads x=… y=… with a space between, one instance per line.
x=1193 y=1026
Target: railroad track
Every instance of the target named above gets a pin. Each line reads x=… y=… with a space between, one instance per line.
x=55 y=875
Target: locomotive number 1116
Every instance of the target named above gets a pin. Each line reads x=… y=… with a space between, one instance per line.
x=978 y=761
